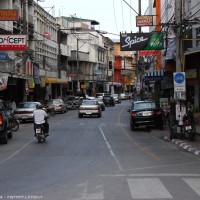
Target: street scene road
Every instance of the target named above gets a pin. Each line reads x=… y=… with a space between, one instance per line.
x=95 y=158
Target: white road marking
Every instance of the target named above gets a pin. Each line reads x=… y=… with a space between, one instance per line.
x=86 y=195
x=194 y=183
x=148 y=188
x=150 y=175
x=16 y=152
x=110 y=149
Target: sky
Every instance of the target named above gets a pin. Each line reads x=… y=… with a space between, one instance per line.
x=114 y=16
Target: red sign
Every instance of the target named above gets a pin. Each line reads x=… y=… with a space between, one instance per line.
x=8 y=15
x=148 y=53
x=13 y=42
x=47 y=35
x=144 y=20
x=71 y=75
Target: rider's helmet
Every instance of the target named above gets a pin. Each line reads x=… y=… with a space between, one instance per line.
x=39 y=106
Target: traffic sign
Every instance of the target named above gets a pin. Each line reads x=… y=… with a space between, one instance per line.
x=179 y=82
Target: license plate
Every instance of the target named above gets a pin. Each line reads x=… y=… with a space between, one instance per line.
x=38 y=130
x=188 y=128
x=88 y=113
x=146 y=113
x=24 y=117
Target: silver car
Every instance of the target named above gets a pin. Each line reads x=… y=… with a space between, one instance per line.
x=25 y=110
x=89 y=108
x=117 y=98
x=57 y=104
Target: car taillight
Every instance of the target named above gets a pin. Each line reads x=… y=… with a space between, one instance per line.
x=1 y=120
x=133 y=114
x=158 y=112
x=81 y=108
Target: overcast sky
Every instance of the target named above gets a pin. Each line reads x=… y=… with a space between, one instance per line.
x=114 y=16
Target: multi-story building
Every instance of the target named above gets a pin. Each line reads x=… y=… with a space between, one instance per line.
x=62 y=55
x=181 y=51
x=90 y=52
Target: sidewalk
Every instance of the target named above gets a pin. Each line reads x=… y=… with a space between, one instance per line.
x=193 y=147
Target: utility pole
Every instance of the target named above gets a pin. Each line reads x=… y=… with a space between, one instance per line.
x=179 y=47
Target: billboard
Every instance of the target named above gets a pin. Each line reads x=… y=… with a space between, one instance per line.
x=141 y=41
x=8 y=15
x=13 y=42
x=144 y=20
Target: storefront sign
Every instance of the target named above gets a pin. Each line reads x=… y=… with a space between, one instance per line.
x=141 y=41
x=13 y=42
x=3 y=56
x=8 y=15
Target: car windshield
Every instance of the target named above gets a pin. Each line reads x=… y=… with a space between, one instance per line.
x=89 y=102
x=144 y=105
x=27 y=105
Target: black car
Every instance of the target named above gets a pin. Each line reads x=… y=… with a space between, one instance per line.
x=145 y=114
x=108 y=100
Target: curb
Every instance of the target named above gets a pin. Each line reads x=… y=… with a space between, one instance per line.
x=183 y=145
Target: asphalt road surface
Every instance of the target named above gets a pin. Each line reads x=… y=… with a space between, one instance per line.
x=96 y=159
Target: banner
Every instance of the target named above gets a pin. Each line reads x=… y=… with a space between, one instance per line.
x=141 y=41
x=3 y=82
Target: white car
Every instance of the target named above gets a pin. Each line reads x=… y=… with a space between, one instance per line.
x=89 y=108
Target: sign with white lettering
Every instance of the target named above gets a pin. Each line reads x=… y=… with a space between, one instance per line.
x=141 y=41
x=13 y=42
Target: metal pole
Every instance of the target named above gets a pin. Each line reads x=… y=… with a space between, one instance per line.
x=178 y=14
x=77 y=63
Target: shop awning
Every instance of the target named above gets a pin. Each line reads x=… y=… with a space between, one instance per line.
x=54 y=80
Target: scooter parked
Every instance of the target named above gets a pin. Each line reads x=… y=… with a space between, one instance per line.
x=189 y=126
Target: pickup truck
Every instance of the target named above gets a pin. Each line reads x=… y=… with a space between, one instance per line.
x=5 y=127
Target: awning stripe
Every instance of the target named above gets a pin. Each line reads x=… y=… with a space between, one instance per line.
x=54 y=80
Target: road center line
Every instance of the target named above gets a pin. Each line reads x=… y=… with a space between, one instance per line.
x=110 y=149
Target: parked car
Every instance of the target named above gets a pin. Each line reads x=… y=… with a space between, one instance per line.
x=108 y=100
x=145 y=114
x=89 y=108
x=24 y=111
x=76 y=100
x=123 y=96
x=117 y=98
x=99 y=95
x=5 y=125
x=57 y=104
x=101 y=103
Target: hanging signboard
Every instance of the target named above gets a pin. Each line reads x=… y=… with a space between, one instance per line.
x=146 y=20
x=141 y=41
x=13 y=42
x=8 y=15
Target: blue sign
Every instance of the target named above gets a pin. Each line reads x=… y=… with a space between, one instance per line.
x=179 y=78
x=3 y=56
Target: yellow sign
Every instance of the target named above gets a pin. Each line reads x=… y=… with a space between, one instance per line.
x=83 y=86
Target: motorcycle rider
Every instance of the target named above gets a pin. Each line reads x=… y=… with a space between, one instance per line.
x=40 y=117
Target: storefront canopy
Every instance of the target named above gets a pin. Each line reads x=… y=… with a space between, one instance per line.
x=54 y=80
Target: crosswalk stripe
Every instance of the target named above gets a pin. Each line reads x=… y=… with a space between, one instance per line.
x=148 y=188
x=194 y=183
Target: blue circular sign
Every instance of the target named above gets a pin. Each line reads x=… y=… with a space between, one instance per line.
x=179 y=78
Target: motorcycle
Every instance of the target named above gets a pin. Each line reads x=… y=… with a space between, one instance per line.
x=13 y=121
x=40 y=132
x=189 y=126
